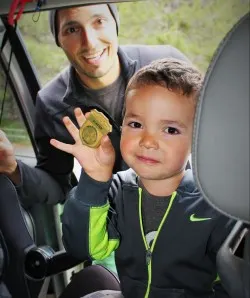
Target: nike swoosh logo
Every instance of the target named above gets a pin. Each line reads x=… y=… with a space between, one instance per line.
x=194 y=218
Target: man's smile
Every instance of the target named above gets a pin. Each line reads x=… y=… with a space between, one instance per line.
x=94 y=58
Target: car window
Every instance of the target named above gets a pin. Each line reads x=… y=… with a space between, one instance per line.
x=12 y=123
x=185 y=25
x=194 y=27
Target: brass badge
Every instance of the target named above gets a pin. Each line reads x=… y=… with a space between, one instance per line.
x=94 y=128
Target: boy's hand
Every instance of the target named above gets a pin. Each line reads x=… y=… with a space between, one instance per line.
x=97 y=162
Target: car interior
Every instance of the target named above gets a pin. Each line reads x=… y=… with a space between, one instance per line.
x=35 y=263
x=221 y=151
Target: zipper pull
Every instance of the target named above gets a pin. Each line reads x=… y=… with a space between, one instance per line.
x=148 y=256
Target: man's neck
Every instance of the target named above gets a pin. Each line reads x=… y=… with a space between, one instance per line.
x=102 y=82
x=163 y=187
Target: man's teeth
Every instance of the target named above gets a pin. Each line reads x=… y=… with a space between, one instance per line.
x=97 y=55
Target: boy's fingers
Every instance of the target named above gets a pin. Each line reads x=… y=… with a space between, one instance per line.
x=106 y=145
x=80 y=118
x=72 y=129
x=61 y=146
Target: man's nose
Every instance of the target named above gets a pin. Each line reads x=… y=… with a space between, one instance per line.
x=149 y=141
x=89 y=38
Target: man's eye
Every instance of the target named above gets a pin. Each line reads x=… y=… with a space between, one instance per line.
x=72 y=30
x=100 y=21
x=171 y=131
x=134 y=124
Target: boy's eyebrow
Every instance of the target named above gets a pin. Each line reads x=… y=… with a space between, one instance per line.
x=131 y=115
x=168 y=122
x=174 y=122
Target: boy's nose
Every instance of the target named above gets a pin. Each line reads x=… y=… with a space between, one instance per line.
x=148 y=141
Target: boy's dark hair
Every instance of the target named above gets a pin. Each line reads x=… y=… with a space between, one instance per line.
x=173 y=74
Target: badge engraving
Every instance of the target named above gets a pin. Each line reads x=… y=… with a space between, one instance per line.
x=89 y=135
x=94 y=128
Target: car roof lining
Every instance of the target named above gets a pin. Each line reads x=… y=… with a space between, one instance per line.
x=51 y=4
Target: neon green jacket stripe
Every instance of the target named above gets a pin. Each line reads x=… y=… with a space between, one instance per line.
x=100 y=246
x=158 y=232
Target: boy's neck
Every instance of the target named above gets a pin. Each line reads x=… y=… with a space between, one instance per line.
x=163 y=187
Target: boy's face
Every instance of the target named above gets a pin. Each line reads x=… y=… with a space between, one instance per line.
x=157 y=132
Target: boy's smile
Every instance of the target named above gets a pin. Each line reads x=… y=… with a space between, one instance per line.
x=148 y=160
x=157 y=132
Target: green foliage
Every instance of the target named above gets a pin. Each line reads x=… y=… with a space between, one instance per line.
x=195 y=27
x=15 y=131
x=47 y=59
x=46 y=56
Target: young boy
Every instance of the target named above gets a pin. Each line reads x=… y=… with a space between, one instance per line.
x=165 y=236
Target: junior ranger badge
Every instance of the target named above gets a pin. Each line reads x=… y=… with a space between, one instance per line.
x=94 y=128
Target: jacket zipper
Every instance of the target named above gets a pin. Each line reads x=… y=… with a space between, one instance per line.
x=149 y=251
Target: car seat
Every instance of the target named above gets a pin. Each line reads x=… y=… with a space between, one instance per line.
x=220 y=153
x=26 y=266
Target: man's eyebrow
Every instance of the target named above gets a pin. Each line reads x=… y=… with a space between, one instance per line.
x=173 y=122
x=72 y=23
x=98 y=15
x=69 y=23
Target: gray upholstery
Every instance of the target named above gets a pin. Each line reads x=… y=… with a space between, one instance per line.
x=221 y=134
x=18 y=241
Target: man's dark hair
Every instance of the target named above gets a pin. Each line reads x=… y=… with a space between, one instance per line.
x=176 y=75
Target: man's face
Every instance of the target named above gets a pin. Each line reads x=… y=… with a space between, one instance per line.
x=88 y=36
x=157 y=132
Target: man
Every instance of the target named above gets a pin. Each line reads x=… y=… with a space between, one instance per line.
x=96 y=78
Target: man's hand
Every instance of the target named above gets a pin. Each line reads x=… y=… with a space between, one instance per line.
x=8 y=164
x=97 y=162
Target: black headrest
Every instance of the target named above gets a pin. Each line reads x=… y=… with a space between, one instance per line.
x=220 y=152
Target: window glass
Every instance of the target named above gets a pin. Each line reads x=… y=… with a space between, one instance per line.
x=48 y=58
x=12 y=124
x=195 y=27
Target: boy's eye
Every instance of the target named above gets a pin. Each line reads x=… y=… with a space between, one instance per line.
x=172 y=131
x=135 y=124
